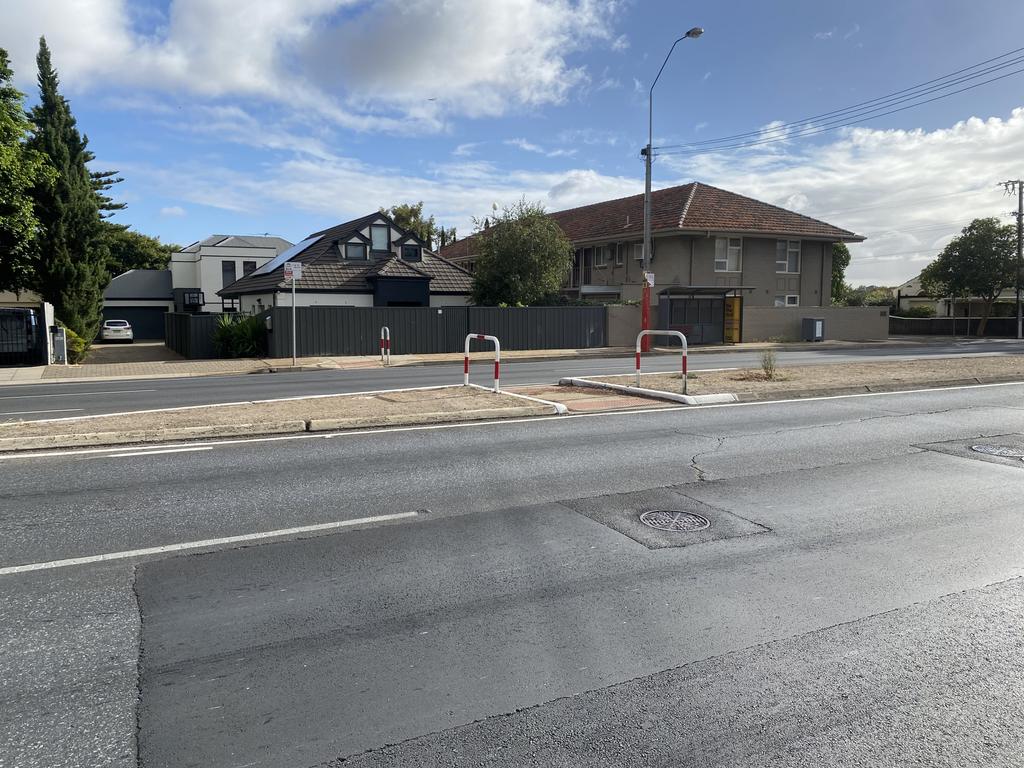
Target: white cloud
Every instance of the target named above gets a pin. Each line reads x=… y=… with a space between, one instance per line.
x=908 y=191
x=853 y=31
x=340 y=59
x=173 y=211
x=825 y=35
x=467 y=149
x=528 y=146
x=621 y=43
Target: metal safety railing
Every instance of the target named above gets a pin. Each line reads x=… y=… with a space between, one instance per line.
x=675 y=334
x=497 y=358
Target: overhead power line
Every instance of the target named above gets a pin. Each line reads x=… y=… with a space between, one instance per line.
x=898 y=101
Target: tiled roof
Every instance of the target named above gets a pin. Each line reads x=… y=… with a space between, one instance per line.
x=324 y=269
x=279 y=244
x=693 y=207
x=140 y=284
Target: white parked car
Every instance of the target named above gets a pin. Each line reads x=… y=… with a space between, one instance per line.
x=117 y=330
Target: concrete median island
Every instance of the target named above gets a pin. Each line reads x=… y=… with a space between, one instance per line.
x=834 y=378
x=311 y=414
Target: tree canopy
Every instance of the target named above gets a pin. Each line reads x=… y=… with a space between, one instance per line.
x=70 y=264
x=21 y=170
x=409 y=216
x=523 y=257
x=981 y=262
x=840 y=261
x=128 y=249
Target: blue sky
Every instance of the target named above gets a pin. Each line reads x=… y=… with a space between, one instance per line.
x=286 y=116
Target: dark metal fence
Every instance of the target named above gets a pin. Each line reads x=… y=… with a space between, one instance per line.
x=21 y=337
x=344 y=331
x=996 y=327
x=190 y=336
x=426 y=330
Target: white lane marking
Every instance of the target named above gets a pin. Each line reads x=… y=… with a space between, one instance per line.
x=77 y=394
x=157 y=453
x=525 y=420
x=187 y=545
x=50 y=410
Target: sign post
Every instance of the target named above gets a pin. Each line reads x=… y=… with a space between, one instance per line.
x=293 y=273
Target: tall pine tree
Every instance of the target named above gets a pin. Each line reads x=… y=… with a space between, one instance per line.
x=21 y=169
x=70 y=255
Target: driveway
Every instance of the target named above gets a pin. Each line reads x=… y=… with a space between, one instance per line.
x=139 y=352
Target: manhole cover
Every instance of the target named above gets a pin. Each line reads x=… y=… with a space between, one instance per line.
x=679 y=522
x=998 y=450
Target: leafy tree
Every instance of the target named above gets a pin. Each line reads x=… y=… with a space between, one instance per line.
x=981 y=263
x=409 y=216
x=127 y=249
x=21 y=169
x=523 y=257
x=70 y=256
x=840 y=261
x=869 y=296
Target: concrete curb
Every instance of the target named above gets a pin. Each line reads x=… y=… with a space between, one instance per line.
x=865 y=389
x=136 y=437
x=477 y=414
x=153 y=437
x=655 y=393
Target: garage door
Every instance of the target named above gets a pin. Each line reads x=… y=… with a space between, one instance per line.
x=146 y=322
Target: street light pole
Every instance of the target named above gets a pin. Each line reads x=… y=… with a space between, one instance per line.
x=645 y=305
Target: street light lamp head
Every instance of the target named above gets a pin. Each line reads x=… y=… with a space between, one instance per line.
x=695 y=32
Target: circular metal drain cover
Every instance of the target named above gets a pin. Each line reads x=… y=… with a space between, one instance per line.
x=677 y=522
x=998 y=450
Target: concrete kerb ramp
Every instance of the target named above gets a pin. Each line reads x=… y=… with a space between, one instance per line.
x=654 y=393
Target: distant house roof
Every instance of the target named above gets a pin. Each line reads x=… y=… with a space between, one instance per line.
x=324 y=269
x=692 y=207
x=239 y=241
x=141 y=284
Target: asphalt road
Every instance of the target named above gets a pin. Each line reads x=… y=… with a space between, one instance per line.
x=82 y=398
x=855 y=601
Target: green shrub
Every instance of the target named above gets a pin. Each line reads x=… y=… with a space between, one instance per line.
x=239 y=336
x=77 y=347
x=922 y=310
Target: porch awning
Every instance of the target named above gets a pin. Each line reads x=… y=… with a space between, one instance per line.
x=684 y=291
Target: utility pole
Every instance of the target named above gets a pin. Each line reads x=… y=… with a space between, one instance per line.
x=1017 y=185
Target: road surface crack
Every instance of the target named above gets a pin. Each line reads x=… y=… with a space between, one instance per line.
x=699 y=471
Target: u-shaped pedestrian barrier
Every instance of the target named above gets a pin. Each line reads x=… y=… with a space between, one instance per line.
x=497 y=358
x=675 y=334
x=385 y=345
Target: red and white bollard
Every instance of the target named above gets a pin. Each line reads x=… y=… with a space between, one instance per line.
x=676 y=334
x=497 y=358
x=385 y=346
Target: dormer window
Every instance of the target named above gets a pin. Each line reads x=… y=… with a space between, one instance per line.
x=411 y=253
x=379 y=237
x=355 y=251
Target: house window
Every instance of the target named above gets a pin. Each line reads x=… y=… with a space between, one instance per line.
x=247 y=267
x=787 y=256
x=227 y=273
x=728 y=254
x=193 y=298
x=789 y=300
x=411 y=253
x=355 y=251
x=379 y=237
x=229 y=305
x=620 y=254
x=601 y=256
x=638 y=251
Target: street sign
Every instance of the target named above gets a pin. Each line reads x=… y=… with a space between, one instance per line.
x=649 y=277
x=293 y=270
